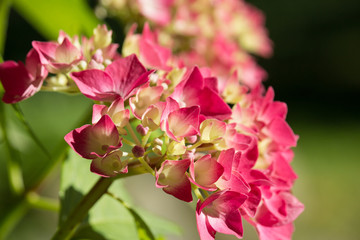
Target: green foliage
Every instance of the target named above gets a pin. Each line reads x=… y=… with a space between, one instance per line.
x=50 y=16
x=23 y=155
x=109 y=218
x=4 y=12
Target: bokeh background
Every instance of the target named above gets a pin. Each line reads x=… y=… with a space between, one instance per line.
x=315 y=70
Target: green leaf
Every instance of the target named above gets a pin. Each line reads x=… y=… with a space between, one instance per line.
x=143 y=230
x=21 y=117
x=4 y=14
x=50 y=16
x=107 y=219
x=51 y=116
x=50 y=124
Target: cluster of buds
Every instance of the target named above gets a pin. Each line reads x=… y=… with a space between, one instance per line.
x=158 y=116
x=219 y=34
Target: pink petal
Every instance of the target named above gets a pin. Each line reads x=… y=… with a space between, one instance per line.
x=34 y=67
x=95 y=84
x=281 y=132
x=249 y=157
x=222 y=202
x=273 y=110
x=205 y=230
x=18 y=83
x=229 y=224
x=222 y=212
x=46 y=51
x=172 y=178
x=67 y=53
x=275 y=233
x=127 y=74
x=98 y=112
x=157 y=11
x=183 y=122
x=205 y=172
x=145 y=97
x=151 y=52
x=280 y=209
x=252 y=202
x=226 y=160
x=236 y=183
x=92 y=141
x=171 y=105
x=282 y=169
x=193 y=91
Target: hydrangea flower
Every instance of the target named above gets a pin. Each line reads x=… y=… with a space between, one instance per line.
x=234 y=159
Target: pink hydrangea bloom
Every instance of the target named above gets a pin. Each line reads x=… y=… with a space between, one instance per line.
x=237 y=160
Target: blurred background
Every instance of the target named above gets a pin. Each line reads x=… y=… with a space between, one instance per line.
x=315 y=69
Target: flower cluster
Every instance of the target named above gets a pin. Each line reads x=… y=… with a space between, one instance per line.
x=218 y=34
x=156 y=115
x=48 y=64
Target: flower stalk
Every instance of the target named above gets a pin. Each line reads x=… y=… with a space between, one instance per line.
x=68 y=228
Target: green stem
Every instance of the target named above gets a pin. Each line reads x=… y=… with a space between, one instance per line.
x=197 y=192
x=25 y=202
x=67 y=229
x=145 y=139
x=15 y=177
x=37 y=201
x=133 y=135
x=204 y=149
x=146 y=166
x=128 y=142
x=14 y=162
x=13 y=217
x=195 y=145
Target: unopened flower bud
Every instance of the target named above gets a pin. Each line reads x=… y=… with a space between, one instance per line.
x=157 y=150
x=176 y=148
x=142 y=130
x=153 y=78
x=212 y=130
x=62 y=80
x=165 y=86
x=191 y=139
x=95 y=65
x=189 y=154
x=138 y=151
x=98 y=56
x=82 y=65
x=102 y=36
x=158 y=141
x=107 y=62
